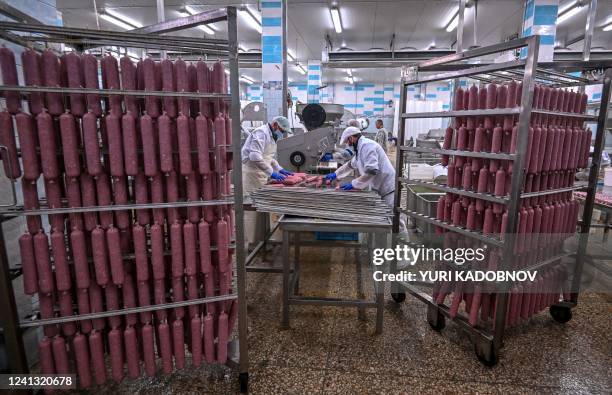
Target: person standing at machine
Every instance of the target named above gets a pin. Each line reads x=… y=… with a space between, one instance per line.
x=259 y=164
x=382 y=136
x=372 y=164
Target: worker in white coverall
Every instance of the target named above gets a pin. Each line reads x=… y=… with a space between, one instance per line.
x=259 y=164
x=374 y=168
x=341 y=154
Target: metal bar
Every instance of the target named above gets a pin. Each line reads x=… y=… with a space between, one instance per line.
x=440 y=151
x=458 y=191
x=517 y=176
x=130 y=310
x=492 y=49
x=184 y=22
x=588 y=30
x=462 y=113
x=563 y=114
x=111 y=92
x=16 y=14
x=259 y=246
x=461 y=26
x=589 y=201
x=486 y=69
x=232 y=34
x=552 y=191
x=562 y=75
x=285 y=71
x=18 y=361
x=456 y=229
x=321 y=301
x=116 y=207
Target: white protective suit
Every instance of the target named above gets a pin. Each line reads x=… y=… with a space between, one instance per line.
x=375 y=171
x=258 y=163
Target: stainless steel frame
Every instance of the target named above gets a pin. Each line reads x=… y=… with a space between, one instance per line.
x=376 y=238
x=488 y=343
x=238 y=350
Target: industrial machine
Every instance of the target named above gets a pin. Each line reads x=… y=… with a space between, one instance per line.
x=301 y=152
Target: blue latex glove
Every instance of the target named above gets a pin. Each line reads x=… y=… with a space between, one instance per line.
x=277 y=177
x=331 y=177
x=348 y=152
x=327 y=157
x=347 y=187
x=285 y=172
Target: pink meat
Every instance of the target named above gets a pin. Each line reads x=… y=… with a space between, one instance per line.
x=147 y=132
x=90 y=76
x=32 y=73
x=168 y=85
x=52 y=78
x=131 y=353
x=45 y=352
x=97 y=357
x=129 y=82
x=115 y=144
x=148 y=350
x=10 y=159
x=28 y=142
x=100 y=256
x=81 y=355
x=178 y=343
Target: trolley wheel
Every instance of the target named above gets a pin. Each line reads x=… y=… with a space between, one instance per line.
x=244 y=382
x=439 y=323
x=561 y=314
x=486 y=354
x=398 y=297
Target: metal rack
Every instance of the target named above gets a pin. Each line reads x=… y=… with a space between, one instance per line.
x=147 y=39
x=489 y=342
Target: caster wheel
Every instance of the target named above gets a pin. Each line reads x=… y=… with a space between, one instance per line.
x=487 y=357
x=561 y=314
x=244 y=382
x=438 y=326
x=398 y=297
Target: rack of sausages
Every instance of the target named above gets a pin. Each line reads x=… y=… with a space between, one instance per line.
x=92 y=152
x=557 y=146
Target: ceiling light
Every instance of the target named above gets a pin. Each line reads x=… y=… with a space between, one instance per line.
x=335 y=15
x=251 y=18
x=120 y=20
x=301 y=69
x=343 y=44
x=290 y=56
x=351 y=79
x=607 y=28
x=349 y=72
x=246 y=79
x=568 y=12
x=189 y=11
x=453 y=20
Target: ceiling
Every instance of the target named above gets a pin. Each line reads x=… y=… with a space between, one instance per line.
x=366 y=24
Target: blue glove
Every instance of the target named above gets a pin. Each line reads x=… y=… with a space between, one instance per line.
x=277 y=177
x=327 y=157
x=331 y=177
x=348 y=152
x=347 y=187
x=285 y=172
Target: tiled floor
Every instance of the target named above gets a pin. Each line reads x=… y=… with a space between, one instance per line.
x=329 y=351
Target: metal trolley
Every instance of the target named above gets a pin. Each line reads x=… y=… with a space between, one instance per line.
x=488 y=342
x=148 y=37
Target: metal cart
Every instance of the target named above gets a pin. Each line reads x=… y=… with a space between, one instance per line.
x=147 y=38
x=488 y=342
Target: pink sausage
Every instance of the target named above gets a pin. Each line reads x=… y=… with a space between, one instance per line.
x=166 y=162
x=31 y=63
x=157 y=196
x=471 y=217
x=9 y=77
x=567 y=147
x=456 y=213
x=182 y=85
x=205 y=254
x=467 y=177
x=45 y=352
x=79 y=255
x=43 y=263
x=141 y=197
x=548 y=151
x=148 y=350
x=53 y=192
x=203 y=86
x=192 y=293
x=88 y=195
x=45 y=302
x=60 y=259
x=28 y=264
x=140 y=252
x=192 y=79
x=218 y=85
x=202 y=134
x=144 y=299
x=196 y=341
x=116 y=354
x=163 y=331
x=178 y=294
x=193 y=195
x=91 y=144
x=10 y=159
x=129 y=298
x=150 y=84
x=462 y=139
x=112 y=303
x=115 y=144
x=543 y=144
x=190 y=239
x=97 y=357
x=129 y=82
x=222 y=341
x=148 y=145
x=534 y=151
x=178 y=343
x=74 y=76
x=120 y=189
x=209 y=339
x=131 y=353
x=219 y=127
x=52 y=78
x=223 y=245
x=81 y=355
x=90 y=75
x=168 y=85
x=48 y=147
x=184 y=145
x=83 y=307
x=172 y=195
x=157 y=252
x=28 y=142
x=110 y=70
x=114 y=255
x=159 y=297
x=65 y=308
x=233 y=315
x=70 y=145
x=100 y=256
x=103 y=190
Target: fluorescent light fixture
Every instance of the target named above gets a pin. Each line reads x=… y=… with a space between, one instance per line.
x=349 y=72
x=608 y=27
x=246 y=79
x=568 y=12
x=567 y=7
x=335 y=15
x=251 y=18
x=290 y=56
x=118 y=19
x=188 y=11
x=301 y=69
x=453 y=20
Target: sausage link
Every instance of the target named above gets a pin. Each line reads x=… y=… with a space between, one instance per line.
x=82 y=296
x=166 y=160
x=220 y=165
x=222 y=340
x=157 y=196
x=205 y=254
x=115 y=144
x=90 y=75
x=88 y=196
x=120 y=191
x=60 y=259
x=163 y=331
x=203 y=85
x=48 y=146
x=140 y=252
x=115 y=347
x=159 y=297
x=10 y=159
x=218 y=85
x=114 y=255
x=100 y=256
x=202 y=136
x=193 y=195
x=196 y=341
x=53 y=193
x=209 y=338
x=223 y=245
x=32 y=73
x=52 y=78
x=45 y=304
x=28 y=264
x=157 y=252
x=148 y=350
x=192 y=293
x=60 y=355
x=168 y=85
x=70 y=145
x=9 y=77
x=110 y=80
x=79 y=256
x=28 y=142
x=129 y=298
x=178 y=295
x=129 y=82
x=43 y=263
x=92 y=144
x=103 y=190
x=144 y=299
x=182 y=85
x=81 y=356
x=184 y=144
x=74 y=77
x=141 y=197
x=150 y=84
x=176 y=245
x=147 y=132
x=131 y=353
x=45 y=352
x=178 y=343
x=97 y=357
x=190 y=238
x=172 y=195
x=65 y=309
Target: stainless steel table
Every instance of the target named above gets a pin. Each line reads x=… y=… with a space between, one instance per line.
x=377 y=235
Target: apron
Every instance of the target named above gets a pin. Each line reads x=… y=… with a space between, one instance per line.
x=254 y=178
